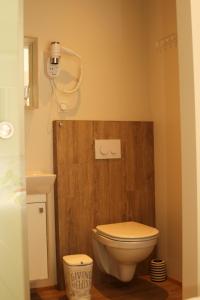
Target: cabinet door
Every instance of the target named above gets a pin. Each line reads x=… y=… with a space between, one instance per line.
x=37 y=241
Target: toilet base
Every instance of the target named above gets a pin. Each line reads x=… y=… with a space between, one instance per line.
x=126 y=272
x=79 y=298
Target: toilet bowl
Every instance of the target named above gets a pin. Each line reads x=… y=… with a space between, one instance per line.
x=119 y=247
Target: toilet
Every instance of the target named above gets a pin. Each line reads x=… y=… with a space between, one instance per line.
x=119 y=247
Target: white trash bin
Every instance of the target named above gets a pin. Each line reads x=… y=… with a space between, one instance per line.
x=78 y=276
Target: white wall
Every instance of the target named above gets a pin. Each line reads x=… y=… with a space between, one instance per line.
x=189 y=29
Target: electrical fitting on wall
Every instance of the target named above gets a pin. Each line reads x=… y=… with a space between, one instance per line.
x=54 y=70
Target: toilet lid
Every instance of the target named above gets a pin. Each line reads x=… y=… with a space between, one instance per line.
x=127 y=231
x=77 y=260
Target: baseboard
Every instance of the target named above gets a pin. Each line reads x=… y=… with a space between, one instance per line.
x=45 y=288
x=175 y=281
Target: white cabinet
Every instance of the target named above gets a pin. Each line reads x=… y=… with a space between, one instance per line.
x=37 y=237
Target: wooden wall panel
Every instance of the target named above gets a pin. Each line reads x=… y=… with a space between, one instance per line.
x=89 y=192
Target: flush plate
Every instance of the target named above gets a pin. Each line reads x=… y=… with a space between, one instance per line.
x=107 y=149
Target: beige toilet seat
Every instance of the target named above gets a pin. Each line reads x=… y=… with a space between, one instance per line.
x=127 y=232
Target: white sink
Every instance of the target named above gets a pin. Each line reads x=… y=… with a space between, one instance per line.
x=39 y=183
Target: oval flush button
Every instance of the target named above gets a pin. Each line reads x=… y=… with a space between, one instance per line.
x=6 y=130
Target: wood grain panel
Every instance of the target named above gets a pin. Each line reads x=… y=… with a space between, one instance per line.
x=89 y=192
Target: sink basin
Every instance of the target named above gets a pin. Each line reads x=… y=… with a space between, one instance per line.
x=39 y=183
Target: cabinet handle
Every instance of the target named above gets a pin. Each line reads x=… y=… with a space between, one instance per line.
x=41 y=210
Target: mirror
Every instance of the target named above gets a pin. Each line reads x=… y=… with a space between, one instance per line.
x=30 y=73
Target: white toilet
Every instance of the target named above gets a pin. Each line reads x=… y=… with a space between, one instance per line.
x=119 y=247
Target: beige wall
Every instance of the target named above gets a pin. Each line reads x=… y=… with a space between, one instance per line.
x=124 y=79
x=163 y=91
x=109 y=35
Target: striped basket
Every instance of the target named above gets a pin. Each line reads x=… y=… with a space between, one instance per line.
x=158 y=270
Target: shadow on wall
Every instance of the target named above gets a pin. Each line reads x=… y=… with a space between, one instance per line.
x=137 y=289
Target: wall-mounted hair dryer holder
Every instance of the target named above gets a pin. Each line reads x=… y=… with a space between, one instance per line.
x=53 y=65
